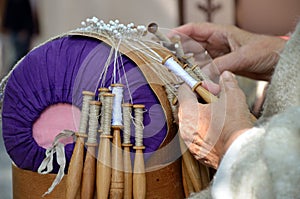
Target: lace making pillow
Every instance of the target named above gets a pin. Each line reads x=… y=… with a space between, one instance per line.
x=43 y=96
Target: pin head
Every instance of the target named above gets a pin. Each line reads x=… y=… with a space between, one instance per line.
x=152 y=27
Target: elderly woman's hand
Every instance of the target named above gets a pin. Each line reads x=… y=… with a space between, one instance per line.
x=209 y=129
x=233 y=49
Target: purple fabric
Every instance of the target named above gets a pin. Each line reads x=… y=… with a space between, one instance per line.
x=58 y=72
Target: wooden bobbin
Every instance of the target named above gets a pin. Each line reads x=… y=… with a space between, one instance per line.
x=117 y=177
x=103 y=174
x=117 y=85
x=153 y=28
x=76 y=163
x=81 y=135
x=139 y=176
x=205 y=94
x=102 y=90
x=191 y=168
x=103 y=171
x=89 y=170
x=126 y=154
x=140 y=106
x=197 y=70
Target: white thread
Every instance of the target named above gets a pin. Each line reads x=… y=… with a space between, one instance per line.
x=116 y=62
x=162 y=72
x=126 y=81
x=155 y=55
x=127 y=109
x=172 y=65
x=103 y=74
x=138 y=114
x=84 y=113
x=93 y=123
x=117 y=105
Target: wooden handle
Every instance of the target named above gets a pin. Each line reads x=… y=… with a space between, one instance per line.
x=192 y=167
x=205 y=176
x=186 y=181
x=209 y=97
x=139 y=176
x=103 y=176
x=117 y=175
x=75 y=169
x=205 y=94
x=89 y=174
x=127 y=172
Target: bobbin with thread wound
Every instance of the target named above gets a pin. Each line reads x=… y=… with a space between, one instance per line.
x=139 y=176
x=103 y=172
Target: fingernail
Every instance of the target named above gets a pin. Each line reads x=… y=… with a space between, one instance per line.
x=227 y=75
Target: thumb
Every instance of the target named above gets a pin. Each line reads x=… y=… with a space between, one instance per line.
x=229 y=98
x=229 y=86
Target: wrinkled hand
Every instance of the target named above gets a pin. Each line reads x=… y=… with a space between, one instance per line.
x=209 y=129
x=233 y=49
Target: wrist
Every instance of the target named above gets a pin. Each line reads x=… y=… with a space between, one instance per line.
x=233 y=136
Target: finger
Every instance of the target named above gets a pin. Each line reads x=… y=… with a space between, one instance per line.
x=211 y=71
x=199 y=151
x=230 y=62
x=190 y=45
x=198 y=31
x=211 y=87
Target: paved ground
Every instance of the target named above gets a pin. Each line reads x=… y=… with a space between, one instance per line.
x=5 y=171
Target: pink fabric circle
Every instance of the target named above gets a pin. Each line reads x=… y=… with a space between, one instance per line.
x=52 y=121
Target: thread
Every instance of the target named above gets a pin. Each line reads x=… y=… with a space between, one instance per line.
x=87 y=97
x=103 y=74
x=116 y=63
x=102 y=91
x=93 y=122
x=172 y=65
x=126 y=81
x=189 y=59
x=197 y=70
x=171 y=96
x=138 y=118
x=117 y=90
x=127 y=109
x=192 y=74
x=107 y=114
x=162 y=72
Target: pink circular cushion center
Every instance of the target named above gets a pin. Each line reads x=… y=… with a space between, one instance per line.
x=52 y=121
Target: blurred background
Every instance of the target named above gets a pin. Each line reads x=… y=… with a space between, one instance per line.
x=28 y=23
